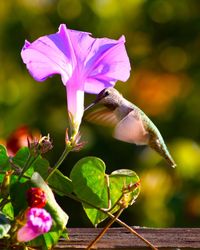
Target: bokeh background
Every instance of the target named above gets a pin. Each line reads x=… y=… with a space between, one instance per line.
x=163 y=43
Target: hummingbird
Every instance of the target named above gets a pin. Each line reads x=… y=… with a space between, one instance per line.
x=130 y=123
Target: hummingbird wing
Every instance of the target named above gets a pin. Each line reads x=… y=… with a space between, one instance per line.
x=131 y=129
x=103 y=116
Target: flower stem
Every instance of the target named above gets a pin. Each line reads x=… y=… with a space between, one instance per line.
x=26 y=166
x=68 y=148
x=115 y=219
x=101 y=234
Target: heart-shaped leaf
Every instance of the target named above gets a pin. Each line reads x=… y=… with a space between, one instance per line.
x=93 y=187
x=128 y=182
x=88 y=180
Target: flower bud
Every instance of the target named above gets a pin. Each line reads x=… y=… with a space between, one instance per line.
x=40 y=146
x=36 y=197
x=38 y=221
x=45 y=144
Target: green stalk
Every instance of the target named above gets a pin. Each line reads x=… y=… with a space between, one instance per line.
x=25 y=167
x=67 y=150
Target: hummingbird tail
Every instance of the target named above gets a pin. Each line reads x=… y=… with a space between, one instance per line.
x=163 y=151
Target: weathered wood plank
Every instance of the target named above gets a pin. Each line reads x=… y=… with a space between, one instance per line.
x=121 y=238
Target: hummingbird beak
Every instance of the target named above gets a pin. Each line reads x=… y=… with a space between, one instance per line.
x=98 y=98
x=90 y=106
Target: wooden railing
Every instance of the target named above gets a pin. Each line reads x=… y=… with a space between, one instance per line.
x=120 y=238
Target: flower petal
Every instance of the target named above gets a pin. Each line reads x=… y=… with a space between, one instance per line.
x=107 y=63
x=75 y=103
x=26 y=233
x=95 y=85
x=49 y=55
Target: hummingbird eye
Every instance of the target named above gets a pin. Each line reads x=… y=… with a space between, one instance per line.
x=106 y=93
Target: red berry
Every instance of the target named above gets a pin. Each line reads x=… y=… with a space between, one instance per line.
x=36 y=197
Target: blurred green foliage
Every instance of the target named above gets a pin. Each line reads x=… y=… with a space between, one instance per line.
x=163 y=43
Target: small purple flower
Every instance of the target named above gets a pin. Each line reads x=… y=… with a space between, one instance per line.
x=86 y=64
x=38 y=221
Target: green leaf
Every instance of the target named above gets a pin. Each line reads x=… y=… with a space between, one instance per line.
x=5 y=225
x=20 y=159
x=18 y=196
x=125 y=180
x=52 y=238
x=88 y=179
x=4 y=159
x=46 y=241
x=91 y=184
x=59 y=217
x=60 y=183
x=8 y=210
x=41 y=165
x=21 y=156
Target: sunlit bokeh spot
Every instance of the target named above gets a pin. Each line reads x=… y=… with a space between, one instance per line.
x=173 y=58
x=187 y=156
x=193 y=205
x=157 y=187
x=140 y=45
x=155 y=92
x=37 y=5
x=111 y=8
x=4 y=9
x=161 y=11
x=105 y=8
x=68 y=9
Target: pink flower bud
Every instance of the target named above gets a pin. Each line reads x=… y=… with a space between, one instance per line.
x=38 y=221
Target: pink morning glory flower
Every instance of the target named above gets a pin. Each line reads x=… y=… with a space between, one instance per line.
x=86 y=64
x=38 y=221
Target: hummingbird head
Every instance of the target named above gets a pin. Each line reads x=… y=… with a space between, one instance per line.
x=108 y=97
